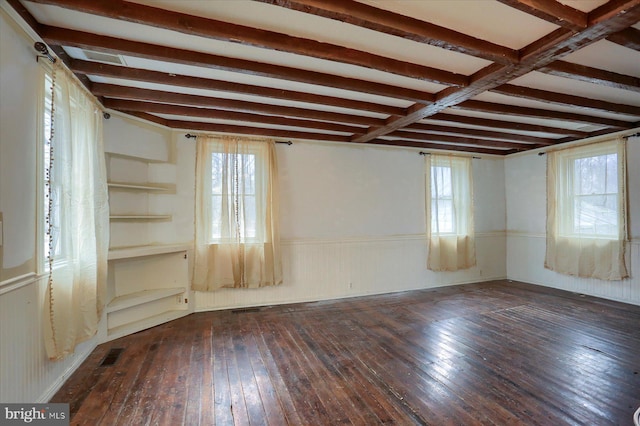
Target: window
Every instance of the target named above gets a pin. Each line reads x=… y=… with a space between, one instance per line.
x=237 y=243
x=233 y=193
x=592 y=192
x=442 y=217
x=586 y=229
x=52 y=225
x=450 y=195
x=449 y=208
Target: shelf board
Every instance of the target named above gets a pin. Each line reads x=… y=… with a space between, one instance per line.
x=116 y=253
x=133 y=327
x=136 y=157
x=137 y=186
x=141 y=297
x=140 y=217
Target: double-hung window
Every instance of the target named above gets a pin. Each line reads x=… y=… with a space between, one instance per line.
x=586 y=228
x=449 y=208
x=53 y=247
x=591 y=194
x=237 y=240
x=234 y=205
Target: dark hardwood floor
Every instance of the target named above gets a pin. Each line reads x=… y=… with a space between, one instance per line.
x=497 y=353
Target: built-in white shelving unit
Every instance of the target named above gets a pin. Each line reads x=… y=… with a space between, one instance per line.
x=148 y=282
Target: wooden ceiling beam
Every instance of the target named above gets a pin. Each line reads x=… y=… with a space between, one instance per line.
x=450 y=130
x=629 y=38
x=501 y=124
x=84 y=40
x=254 y=131
x=563 y=99
x=225 y=31
x=137 y=74
x=147 y=95
x=442 y=146
x=505 y=109
x=592 y=75
x=380 y=20
x=551 y=11
x=435 y=137
x=217 y=114
x=540 y=53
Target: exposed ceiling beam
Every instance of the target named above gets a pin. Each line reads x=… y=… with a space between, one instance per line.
x=592 y=75
x=435 y=137
x=137 y=74
x=380 y=20
x=442 y=146
x=219 y=30
x=504 y=109
x=84 y=40
x=451 y=130
x=551 y=11
x=629 y=38
x=540 y=53
x=130 y=93
x=255 y=131
x=501 y=124
x=563 y=99
x=217 y=114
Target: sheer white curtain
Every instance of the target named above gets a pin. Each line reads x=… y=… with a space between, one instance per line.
x=449 y=208
x=237 y=232
x=586 y=211
x=76 y=286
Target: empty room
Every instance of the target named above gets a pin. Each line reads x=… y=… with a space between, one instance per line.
x=310 y=212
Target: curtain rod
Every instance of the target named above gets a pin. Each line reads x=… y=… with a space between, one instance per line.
x=44 y=51
x=453 y=155
x=587 y=143
x=191 y=136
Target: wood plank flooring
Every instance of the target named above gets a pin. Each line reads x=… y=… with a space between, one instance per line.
x=497 y=353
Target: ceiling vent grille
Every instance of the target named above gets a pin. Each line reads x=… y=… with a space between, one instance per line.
x=103 y=57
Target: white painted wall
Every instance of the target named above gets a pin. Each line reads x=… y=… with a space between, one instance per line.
x=26 y=375
x=352 y=223
x=525 y=176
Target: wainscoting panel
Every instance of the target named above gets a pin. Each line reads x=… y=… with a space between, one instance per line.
x=26 y=374
x=330 y=269
x=525 y=262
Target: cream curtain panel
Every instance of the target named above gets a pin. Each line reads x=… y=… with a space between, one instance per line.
x=586 y=211
x=76 y=287
x=449 y=213
x=237 y=232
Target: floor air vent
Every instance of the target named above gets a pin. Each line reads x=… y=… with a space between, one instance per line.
x=112 y=357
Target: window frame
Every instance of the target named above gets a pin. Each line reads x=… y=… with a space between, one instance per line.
x=567 y=224
x=259 y=166
x=62 y=257
x=458 y=169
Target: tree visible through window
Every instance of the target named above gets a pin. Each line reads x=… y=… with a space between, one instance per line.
x=586 y=201
x=594 y=189
x=233 y=196
x=443 y=213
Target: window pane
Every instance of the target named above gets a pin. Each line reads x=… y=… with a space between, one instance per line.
x=233 y=180
x=442 y=215
x=441 y=181
x=595 y=195
x=216 y=214
x=249 y=218
x=596 y=214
